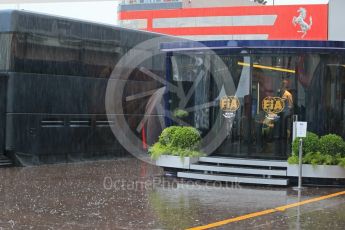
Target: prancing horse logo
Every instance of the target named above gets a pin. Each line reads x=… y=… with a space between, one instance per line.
x=300 y=20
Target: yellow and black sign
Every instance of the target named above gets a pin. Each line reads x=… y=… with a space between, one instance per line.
x=273 y=104
x=229 y=103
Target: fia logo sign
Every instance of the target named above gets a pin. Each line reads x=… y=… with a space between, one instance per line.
x=229 y=104
x=273 y=105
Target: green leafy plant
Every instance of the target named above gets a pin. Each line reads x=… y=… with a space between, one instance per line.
x=332 y=144
x=180 y=141
x=327 y=150
x=341 y=162
x=310 y=144
x=317 y=158
x=293 y=160
x=180 y=113
x=314 y=158
x=186 y=138
x=167 y=134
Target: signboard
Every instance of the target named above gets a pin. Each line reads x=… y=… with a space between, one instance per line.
x=273 y=105
x=283 y=22
x=301 y=129
x=229 y=104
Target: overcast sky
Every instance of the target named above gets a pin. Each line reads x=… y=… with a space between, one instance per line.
x=102 y=11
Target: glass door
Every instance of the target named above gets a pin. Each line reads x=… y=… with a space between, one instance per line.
x=261 y=125
x=273 y=97
x=235 y=105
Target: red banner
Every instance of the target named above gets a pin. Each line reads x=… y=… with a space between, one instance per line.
x=293 y=22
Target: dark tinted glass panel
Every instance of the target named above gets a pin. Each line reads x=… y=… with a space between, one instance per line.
x=321 y=101
x=264 y=95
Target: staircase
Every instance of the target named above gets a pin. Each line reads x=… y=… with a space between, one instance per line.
x=5 y=161
x=238 y=170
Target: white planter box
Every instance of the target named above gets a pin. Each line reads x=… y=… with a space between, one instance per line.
x=176 y=161
x=318 y=171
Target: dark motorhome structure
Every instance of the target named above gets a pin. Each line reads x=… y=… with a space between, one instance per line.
x=246 y=95
x=53 y=79
x=271 y=81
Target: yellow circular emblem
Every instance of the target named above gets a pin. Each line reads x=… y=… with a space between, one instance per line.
x=273 y=104
x=229 y=103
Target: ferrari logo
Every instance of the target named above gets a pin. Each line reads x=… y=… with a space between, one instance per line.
x=301 y=21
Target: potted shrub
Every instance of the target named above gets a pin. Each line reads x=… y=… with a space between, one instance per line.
x=177 y=147
x=322 y=157
x=180 y=113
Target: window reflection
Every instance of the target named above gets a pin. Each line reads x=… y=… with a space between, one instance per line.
x=322 y=80
x=311 y=86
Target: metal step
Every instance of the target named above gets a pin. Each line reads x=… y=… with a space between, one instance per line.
x=235 y=179
x=239 y=170
x=5 y=162
x=244 y=161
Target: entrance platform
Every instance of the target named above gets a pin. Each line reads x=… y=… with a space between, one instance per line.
x=238 y=170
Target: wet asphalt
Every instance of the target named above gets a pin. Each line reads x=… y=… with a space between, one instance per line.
x=129 y=194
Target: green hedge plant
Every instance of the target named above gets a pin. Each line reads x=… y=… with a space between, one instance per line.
x=332 y=144
x=317 y=158
x=327 y=150
x=180 y=141
x=167 y=134
x=310 y=144
x=342 y=162
x=180 y=113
